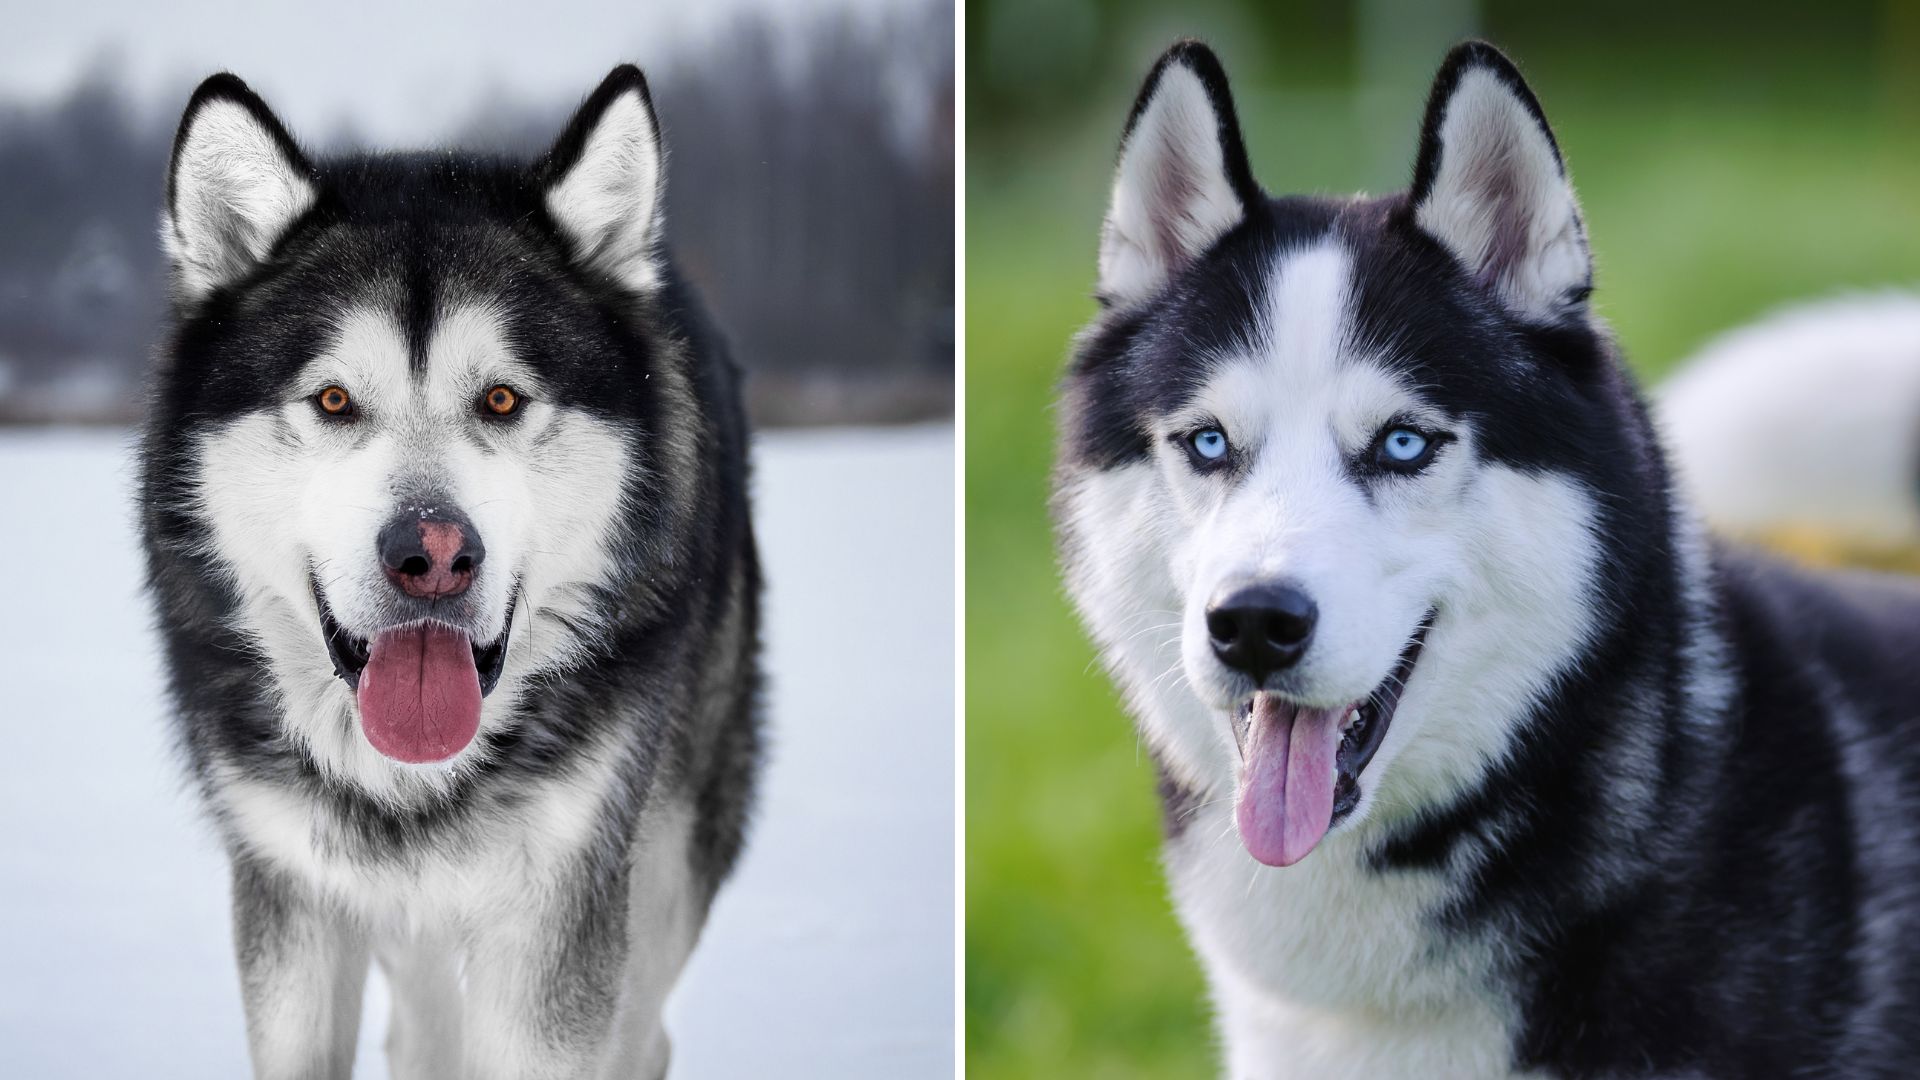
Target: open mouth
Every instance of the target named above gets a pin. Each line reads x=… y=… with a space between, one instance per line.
x=418 y=684
x=351 y=652
x=1300 y=765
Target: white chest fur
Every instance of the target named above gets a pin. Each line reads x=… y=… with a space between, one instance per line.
x=486 y=866
x=1330 y=969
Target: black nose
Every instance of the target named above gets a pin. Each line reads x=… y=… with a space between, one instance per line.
x=1261 y=629
x=431 y=553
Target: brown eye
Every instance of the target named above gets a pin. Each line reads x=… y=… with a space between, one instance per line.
x=334 y=402
x=501 y=401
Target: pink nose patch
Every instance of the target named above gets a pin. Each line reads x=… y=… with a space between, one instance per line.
x=442 y=542
x=420 y=694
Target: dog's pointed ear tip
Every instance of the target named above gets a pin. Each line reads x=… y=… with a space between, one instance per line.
x=625 y=77
x=1473 y=55
x=217 y=87
x=1478 y=51
x=222 y=84
x=224 y=88
x=1193 y=56
x=624 y=82
x=1190 y=53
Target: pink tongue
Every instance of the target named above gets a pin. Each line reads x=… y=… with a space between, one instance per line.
x=1286 y=785
x=419 y=694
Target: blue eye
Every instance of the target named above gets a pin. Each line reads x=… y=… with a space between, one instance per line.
x=1403 y=446
x=1210 y=444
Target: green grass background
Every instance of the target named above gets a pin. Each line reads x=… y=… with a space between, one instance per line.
x=1726 y=160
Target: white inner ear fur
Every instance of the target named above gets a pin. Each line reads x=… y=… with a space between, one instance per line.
x=608 y=203
x=1171 y=196
x=1502 y=204
x=234 y=194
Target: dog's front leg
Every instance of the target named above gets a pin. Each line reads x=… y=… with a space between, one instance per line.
x=423 y=1036
x=543 y=979
x=303 y=965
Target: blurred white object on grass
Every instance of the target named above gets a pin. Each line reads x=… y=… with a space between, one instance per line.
x=1803 y=429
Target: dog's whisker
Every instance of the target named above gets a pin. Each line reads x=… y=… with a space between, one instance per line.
x=1150 y=629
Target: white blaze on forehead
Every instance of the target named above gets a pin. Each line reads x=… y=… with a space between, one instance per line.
x=1308 y=323
x=1302 y=374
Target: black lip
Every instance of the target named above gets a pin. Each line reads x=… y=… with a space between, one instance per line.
x=1369 y=729
x=491 y=659
x=350 y=652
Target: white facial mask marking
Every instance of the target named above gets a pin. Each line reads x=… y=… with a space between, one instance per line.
x=1497 y=550
x=286 y=491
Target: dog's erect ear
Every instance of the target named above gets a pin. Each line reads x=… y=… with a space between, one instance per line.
x=1183 y=179
x=605 y=180
x=237 y=182
x=1491 y=186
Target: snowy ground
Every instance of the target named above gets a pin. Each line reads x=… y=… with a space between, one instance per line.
x=830 y=954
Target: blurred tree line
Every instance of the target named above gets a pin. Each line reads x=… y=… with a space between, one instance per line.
x=810 y=190
x=1034 y=65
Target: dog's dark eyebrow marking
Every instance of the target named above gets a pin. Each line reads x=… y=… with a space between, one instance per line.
x=418 y=314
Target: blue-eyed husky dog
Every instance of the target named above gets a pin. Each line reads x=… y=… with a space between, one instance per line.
x=444 y=493
x=1478 y=759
